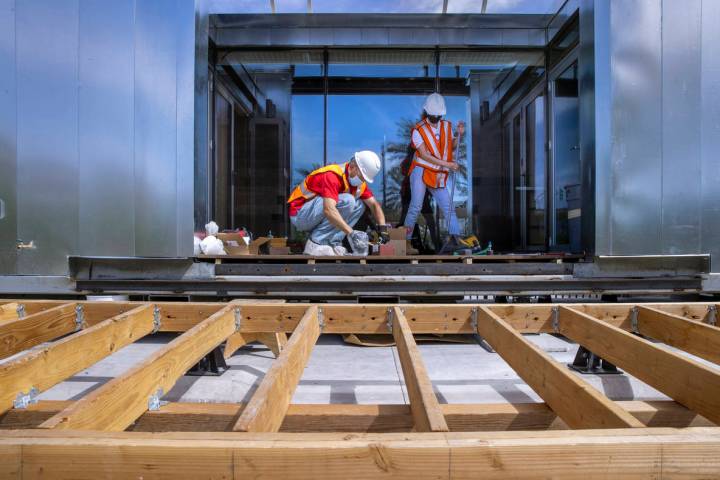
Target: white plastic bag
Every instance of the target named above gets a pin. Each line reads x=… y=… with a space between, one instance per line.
x=211 y=228
x=212 y=246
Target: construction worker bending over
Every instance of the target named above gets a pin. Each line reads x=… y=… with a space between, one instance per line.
x=434 y=143
x=330 y=201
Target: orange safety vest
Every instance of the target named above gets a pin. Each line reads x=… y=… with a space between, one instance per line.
x=303 y=191
x=434 y=175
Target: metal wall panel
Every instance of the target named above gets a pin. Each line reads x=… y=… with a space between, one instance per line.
x=47 y=133
x=681 y=30
x=8 y=140
x=155 y=128
x=185 y=124
x=710 y=132
x=106 y=173
x=636 y=132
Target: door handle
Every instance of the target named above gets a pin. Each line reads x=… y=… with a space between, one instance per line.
x=26 y=246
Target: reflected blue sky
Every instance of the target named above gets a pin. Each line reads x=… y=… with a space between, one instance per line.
x=356 y=122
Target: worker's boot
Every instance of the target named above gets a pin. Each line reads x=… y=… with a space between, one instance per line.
x=339 y=250
x=316 y=250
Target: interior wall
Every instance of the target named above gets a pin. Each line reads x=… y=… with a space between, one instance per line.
x=96 y=130
x=660 y=188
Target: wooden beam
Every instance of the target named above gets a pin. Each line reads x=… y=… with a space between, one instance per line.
x=267 y=407
x=275 y=341
x=637 y=453
x=306 y=418
x=692 y=336
x=688 y=382
x=23 y=333
x=41 y=369
x=426 y=411
x=118 y=403
x=574 y=400
x=8 y=311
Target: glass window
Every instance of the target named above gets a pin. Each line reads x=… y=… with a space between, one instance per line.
x=382 y=123
x=306 y=147
x=566 y=162
x=535 y=171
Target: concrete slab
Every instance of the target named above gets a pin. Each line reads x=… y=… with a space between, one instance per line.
x=341 y=373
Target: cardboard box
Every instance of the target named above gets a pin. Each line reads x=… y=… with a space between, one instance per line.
x=394 y=248
x=400 y=247
x=279 y=250
x=234 y=243
x=386 y=250
x=398 y=233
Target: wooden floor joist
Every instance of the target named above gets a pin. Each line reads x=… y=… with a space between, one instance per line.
x=692 y=336
x=686 y=381
x=577 y=432
x=23 y=333
x=427 y=414
x=41 y=369
x=304 y=418
x=267 y=407
x=118 y=403
x=622 y=453
x=574 y=400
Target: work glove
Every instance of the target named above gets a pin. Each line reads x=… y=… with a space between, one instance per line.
x=358 y=242
x=383 y=233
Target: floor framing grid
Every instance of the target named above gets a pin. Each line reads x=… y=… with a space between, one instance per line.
x=122 y=429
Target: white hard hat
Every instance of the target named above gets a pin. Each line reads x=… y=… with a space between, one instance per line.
x=369 y=164
x=435 y=105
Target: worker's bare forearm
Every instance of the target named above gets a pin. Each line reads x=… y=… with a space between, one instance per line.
x=376 y=210
x=333 y=215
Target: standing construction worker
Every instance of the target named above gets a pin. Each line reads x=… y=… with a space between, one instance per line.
x=434 y=143
x=330 y=201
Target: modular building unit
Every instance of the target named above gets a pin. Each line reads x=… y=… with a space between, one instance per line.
x=106 y=138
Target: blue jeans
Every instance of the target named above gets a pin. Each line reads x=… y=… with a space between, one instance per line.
x=311 y=218
x=441 y=196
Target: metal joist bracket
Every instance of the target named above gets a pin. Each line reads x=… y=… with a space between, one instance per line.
x=634 y=319
x=24 y=399
x=20 y=310
x=157 y=323
x=154 y=402
x=711 y=317
x=321 y=318
x=238 y=318
x=79 y=317
x=474 y=319
x=390 y=315
x=555 y=320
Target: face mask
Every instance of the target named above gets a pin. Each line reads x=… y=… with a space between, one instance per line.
x=434 y=118
x=355 y=181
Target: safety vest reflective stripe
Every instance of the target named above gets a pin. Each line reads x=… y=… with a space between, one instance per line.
x=303 y=191
x=441 y=150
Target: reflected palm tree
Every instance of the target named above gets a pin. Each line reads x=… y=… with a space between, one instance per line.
x=397 y=152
